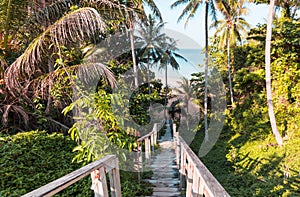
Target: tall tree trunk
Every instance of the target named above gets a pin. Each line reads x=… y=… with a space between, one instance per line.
x=206 y=72
x=166 y=94
x=133 y=55
x=49 y=101
x=229 y=71
x=7 y=24
x=268 y=74
x=148 y=78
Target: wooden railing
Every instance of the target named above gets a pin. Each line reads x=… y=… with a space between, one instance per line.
x=150 y=140
x=194 y=175
x=108 y=164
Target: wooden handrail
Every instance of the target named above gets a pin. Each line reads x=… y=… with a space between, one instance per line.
x=199 y=180
x=108 y=164
x=150 y=140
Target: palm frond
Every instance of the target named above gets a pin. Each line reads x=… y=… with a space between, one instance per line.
x=212 y=11
x=189 y=10
x=3 y=66
x=50 y=14
x=154 y=8
x=178 y=3
x=74 y=28
x=17 y=110
x=93 y=71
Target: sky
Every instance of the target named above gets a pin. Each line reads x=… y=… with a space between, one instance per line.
x=194 y=32
x=192 y=36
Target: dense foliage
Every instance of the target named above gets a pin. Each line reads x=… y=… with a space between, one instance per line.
x=39 y=60
x=32 y=159
x=247 y=160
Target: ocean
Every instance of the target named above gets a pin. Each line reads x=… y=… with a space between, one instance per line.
x=195 y=58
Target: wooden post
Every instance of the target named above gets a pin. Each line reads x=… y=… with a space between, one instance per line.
x=147 y=148
x=201 y=187
x=115 y=183
x=182 y=167
x=177 y=147
x=196 y=180
x=190 y=171
x=140 y=160
x=103 y=184
x=152 y=141
x=155 y=133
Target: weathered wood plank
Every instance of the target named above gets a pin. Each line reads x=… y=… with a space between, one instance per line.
x=115 y=184
x=103 y=183
x=211 y=184
x=69 y=179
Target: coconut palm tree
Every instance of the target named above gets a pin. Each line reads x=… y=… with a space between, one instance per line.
x=63 y=24
x=190 y=10
x=186 y=89
x=231 y=29
x=268 y=74
x=157 y=48
x=140 y=15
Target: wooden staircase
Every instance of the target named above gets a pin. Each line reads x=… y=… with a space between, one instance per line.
x=165 y=178
x=177 y=171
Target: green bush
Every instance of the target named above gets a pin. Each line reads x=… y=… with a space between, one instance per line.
x=32 y=159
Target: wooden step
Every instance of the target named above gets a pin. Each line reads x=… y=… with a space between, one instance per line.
x=166 y=194
x=165 y=189
x=165 y=178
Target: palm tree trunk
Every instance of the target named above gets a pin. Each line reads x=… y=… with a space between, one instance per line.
x=166 y=94
x=148 y=78
x=133 y=55
x=7 y=24
x=229 y=71
x=206 y=72
x=268 y=74
x=49 y=100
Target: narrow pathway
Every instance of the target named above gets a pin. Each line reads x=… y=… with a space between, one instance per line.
x=165 y=178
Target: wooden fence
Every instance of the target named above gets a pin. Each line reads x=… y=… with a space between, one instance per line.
x=194 y=176
x=108 y=164
x=150 y=140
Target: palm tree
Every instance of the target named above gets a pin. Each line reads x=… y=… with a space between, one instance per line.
x=63 y=24
x=157 y=48
x=186 y=89
x=190 y=10
x=139 y=15
x=231 y=29
x=268 y=74
x=169 y=58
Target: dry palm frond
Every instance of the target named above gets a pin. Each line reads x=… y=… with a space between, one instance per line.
x=3 y=66
x=91 y=71
x=87 y=73
x=74 y=28
x=50 y=14
x=16 y=109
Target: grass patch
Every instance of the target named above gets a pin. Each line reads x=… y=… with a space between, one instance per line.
x=254 y=167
